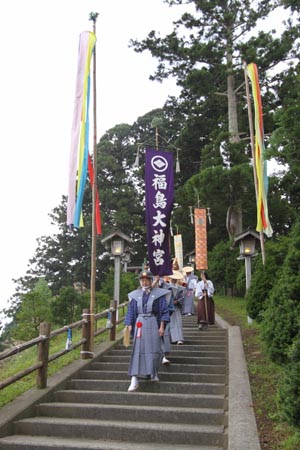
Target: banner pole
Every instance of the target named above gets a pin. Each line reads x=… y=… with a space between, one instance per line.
x=93 y=17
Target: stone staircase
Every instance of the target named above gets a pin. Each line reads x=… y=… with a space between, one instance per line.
x=186 y=410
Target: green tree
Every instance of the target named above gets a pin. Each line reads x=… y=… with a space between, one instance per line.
x=128 y=282
x=285 y=141
x=204 y=53
x=34 y=309
x=280 y=324
x=216 y=188
x=289 y=386
x=289 y=394
x=223 y=267
x=263 y=276
x=67 y=307
x=62 y=258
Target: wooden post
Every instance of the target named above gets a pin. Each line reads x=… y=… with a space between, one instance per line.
x=112 y=333
x=86 y=332
x=248 y=271
x=117 y=275
x=43 y=355
x=156 y=138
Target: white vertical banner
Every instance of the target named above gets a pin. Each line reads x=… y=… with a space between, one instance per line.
x=178 y=250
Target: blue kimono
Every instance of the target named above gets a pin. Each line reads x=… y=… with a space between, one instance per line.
x=145 y=314
x=176 y=330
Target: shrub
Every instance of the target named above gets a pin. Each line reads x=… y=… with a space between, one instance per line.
x=280 y=322
x=264 y=277
x=289 y=394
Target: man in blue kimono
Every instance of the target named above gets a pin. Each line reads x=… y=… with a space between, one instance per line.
x=146 y=318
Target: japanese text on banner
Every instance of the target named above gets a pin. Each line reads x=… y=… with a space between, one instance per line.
x=159 y=183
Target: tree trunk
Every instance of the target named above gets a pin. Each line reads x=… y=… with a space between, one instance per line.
x=231 y=98
x=232 y=112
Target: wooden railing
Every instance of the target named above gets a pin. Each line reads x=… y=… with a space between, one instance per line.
x=43 y=343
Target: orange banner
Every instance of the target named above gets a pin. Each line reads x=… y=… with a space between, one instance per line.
x=200 y=238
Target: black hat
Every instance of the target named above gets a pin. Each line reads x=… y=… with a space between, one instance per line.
x=145 y=274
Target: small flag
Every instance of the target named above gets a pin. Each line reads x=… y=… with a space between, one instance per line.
x=69 y=340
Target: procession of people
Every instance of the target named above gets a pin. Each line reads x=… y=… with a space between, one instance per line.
x=154 y=319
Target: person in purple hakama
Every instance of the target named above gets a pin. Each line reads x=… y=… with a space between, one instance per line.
x=176 y=330
x=146 y=318
x=188 y=308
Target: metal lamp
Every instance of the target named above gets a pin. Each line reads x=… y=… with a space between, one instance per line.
x=192 y=258
x=117 y=247
x=247 y=246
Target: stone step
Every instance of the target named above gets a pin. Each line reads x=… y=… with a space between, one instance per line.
x=211 y=361
x=142 y=398
x=191 y=368
x=25 y=442
x=208 y=331
x=184 y=351
x=159 y=433
x=149 y=386
x=199 y=341
x=185 y=410
x=176 y=359
x=213 y=346
x=184 y=347
x=201 y=338
x=195 y=326
x=203 y=335
x=138 y=413
x=164 y=375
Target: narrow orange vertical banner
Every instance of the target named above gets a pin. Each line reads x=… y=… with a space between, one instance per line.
x=200 y=238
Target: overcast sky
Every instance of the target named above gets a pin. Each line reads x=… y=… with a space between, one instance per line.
x=39 y=43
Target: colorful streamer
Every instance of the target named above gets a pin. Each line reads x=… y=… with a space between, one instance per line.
x=79 y=152
x=98 y=216
x=263 y=223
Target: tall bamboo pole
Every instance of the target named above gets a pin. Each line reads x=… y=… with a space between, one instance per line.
x=250 y=117
x=93 y=17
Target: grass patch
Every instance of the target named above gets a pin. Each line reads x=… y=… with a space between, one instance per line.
x=263 y=375
x=19 y=362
